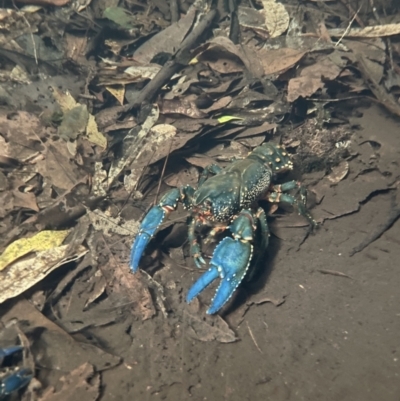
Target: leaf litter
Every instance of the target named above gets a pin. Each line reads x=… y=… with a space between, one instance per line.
x=156 y=99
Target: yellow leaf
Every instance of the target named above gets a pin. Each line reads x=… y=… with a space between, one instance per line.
x=23 y=274
x=65 y=100
x=226 y=119
x=93 y=134
x=118 y=91
x=39 y=242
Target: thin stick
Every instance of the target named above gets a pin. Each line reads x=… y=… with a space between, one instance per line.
x=163 y=171
x=30 y=32
x=173 y=66
x=252 y=337
x=348 y=27
x=334 y=273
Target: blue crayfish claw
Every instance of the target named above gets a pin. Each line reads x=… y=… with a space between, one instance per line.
x=230 y=262
x=151 y=223
x=12 y=379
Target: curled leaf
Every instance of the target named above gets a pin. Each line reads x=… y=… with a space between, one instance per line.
x=39 y=242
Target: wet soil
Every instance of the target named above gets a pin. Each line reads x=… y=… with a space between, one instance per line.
x=314 y=323
x=333 y=338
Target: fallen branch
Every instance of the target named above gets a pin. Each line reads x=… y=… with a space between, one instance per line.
x=174 y=65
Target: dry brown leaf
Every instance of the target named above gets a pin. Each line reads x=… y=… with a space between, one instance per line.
x=57 y=3
x=180 y=106
x=58 y=167
x=338 y=173
x=224 y=56
x=188 y=176
x=132 y=286
x=167 y=40
x=209 y=328
x=159 y=144
x=112 y=225
x=25 y=200
x=55 y=342
x=200 y=160
x=303 y=86
x=280 y=60
x=93 y=134
x=19 y=138
x=311 y=79
x=276 y=17
x=82 y=383
x=133 y=147
x=143 y=72
x=75 y=46
x=219 y=104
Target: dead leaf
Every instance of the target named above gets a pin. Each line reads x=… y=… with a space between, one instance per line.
x=167 y=40
x=280 y=60
x=132 y=286
x=67 y=103
x=303 y=86
x=22 y=275
x=57 y=3
x=133 y=146
x=82 y=383
x=276 y=17
x=112 y=225
x=19 y=139
x=56 y=343
x=311 y=79
x=25 y=200
x=209 y=328
x=93 y=134
x=118 y=91
x=160 y=142
x=188 y=176
x=377 y=31
x=74 y=122
x=58 y=168
x=200 y=160
x=180 y=106
x=338 y=173
x=334 y=273
x=42 y=241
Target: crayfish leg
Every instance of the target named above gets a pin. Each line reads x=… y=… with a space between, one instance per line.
x=15 y=378
x=151 y=223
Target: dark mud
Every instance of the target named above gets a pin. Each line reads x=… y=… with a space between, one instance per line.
x=333 y=338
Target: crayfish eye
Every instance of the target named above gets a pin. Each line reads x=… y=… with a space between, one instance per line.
x=206 y=205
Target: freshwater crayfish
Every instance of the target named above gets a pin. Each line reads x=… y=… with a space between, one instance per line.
x=227 y=199
x=15 y=377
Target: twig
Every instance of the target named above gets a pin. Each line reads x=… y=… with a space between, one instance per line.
x=252 y=337
x=351 y=10
x=163 y=171
x=334 y=273
x=30 y=32
x=348 y=27
x=171 y=67
x=387 y=40
x=174 y=9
